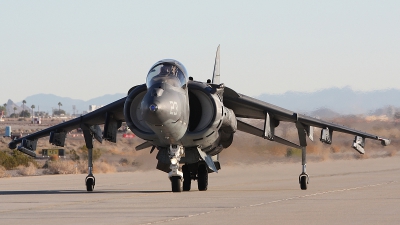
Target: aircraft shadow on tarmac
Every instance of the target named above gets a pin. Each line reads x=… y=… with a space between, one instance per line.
x=52 y=192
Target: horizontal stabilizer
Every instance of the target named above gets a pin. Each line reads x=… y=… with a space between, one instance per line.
x=143 y=146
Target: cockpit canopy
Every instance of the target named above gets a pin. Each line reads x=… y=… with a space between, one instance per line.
x=167 y=71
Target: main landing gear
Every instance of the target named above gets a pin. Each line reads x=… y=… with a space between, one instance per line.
x=197 y=172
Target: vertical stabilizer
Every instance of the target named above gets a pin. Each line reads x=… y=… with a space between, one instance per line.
x=216 y=73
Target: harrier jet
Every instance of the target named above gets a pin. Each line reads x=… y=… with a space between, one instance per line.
x=189 y=122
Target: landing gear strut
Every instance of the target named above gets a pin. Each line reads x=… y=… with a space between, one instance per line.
x=303 y=178
x=304 y=131
x=90 y=181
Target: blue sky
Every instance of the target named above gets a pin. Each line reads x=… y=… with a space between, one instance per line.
x=85 y=49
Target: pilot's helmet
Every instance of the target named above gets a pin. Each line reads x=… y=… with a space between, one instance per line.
x=165 y=69
x=168 y=69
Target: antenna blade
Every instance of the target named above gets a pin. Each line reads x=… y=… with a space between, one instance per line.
x=216 y=74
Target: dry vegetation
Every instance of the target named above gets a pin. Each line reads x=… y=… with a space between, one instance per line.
x=3 y=172
x=246 y=149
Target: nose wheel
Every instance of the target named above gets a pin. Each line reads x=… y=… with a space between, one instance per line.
x=176 y=183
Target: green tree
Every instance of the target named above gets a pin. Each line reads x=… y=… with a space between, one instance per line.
x=15 y=108
x=58 y=112
x=25 y=113
x=5 y=108
x=32 y=106
x=23 y=107
x=59 y=105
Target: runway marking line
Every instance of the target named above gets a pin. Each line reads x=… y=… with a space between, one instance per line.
x=270 y=202
x=80 y=202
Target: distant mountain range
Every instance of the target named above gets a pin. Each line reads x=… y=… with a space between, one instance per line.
x=324 y=103
x=48 y=102
x=340 y=100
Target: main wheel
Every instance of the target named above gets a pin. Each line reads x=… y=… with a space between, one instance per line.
x=176 y=183
x=187 y=181
x=303 y=182
x=202 y=177
x=89 y=183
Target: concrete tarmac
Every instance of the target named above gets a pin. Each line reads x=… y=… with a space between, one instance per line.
x=363 y=191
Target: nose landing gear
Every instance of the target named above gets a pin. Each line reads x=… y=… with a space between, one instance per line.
x=175 y=153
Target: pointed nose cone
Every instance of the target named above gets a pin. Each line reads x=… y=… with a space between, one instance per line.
x=163 y=112
x=154 y=107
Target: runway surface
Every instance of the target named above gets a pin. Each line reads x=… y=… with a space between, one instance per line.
x=340 y=192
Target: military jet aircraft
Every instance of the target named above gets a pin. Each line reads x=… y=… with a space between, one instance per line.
x=189 y=122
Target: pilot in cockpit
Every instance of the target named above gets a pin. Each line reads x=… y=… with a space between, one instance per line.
x=166 y=73
x=167 y=69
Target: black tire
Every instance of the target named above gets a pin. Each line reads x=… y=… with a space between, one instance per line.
x=303 y=182
x=176 y=183
x=89 y=183
x=187 y=181
x=202 y=177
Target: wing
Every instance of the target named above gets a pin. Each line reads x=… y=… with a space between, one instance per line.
x=111 y=115
x=247 y=107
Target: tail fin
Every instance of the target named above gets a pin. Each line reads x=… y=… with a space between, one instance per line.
x=216 y=73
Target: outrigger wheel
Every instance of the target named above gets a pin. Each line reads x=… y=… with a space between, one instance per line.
x=303 y=180
x=90 y=182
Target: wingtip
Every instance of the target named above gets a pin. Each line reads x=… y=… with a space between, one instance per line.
x=12 y=145
x=384 y=141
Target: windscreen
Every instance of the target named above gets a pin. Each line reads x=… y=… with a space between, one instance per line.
x=166 y=72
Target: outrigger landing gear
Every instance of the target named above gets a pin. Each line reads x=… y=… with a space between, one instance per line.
x=90 y=181
x=302 y=131
x=303 y=178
